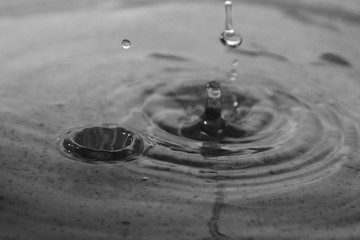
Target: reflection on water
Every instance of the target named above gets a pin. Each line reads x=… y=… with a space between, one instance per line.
x=293 y=173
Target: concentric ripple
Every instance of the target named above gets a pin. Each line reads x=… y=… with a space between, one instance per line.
x=286 y=135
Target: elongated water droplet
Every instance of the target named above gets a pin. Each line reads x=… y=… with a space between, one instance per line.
x=229 y=37
x=126 y=44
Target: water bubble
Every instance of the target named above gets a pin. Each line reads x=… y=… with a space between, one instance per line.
x=126 y=44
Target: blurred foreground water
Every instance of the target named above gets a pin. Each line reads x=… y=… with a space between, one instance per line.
x=296 y=177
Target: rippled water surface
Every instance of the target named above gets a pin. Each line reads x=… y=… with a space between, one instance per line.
x=90 y=140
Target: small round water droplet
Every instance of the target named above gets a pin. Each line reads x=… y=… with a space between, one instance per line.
x=126 y=44
x=230 y=39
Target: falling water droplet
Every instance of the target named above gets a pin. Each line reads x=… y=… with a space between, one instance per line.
x=229 y=37
x=126 y=44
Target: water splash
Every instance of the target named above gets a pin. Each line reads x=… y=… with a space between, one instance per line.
x=102 y=143
x=211 y=125
x=260 y=133
x=229 y=37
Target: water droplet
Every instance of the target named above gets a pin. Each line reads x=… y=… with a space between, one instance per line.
x=126 y=44
x=144 y=179
x=229 y=37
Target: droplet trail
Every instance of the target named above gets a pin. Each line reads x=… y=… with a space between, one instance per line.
x=233 y=72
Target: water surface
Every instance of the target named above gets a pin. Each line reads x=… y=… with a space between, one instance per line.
x=294 y=176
